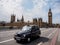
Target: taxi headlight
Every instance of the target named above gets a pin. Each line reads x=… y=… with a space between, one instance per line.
x=24 y=35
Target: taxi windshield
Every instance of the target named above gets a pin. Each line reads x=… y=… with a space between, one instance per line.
x=25 y=28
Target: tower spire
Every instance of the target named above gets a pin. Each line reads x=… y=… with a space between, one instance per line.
x=49 y=9
x=22 y=19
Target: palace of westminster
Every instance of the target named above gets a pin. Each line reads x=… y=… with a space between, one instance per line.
x=35 y=21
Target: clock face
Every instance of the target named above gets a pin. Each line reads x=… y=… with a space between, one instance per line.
x=49 y=14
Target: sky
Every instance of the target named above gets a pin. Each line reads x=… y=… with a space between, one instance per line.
x=29 y=9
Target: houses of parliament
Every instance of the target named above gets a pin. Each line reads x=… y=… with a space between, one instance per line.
x=39 y=22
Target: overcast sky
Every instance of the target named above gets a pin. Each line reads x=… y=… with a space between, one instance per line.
x=29 y=9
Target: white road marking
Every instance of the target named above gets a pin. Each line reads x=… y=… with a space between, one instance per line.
x=40 y=43
x=44 y=30
x=6 y=40
x=51 y=33
x=47 y=36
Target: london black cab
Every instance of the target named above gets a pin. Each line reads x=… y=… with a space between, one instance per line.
x=28 y=32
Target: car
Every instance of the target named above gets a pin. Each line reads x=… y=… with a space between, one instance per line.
x=28 y=32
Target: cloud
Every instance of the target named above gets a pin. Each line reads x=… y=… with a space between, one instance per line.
x=9 y=7
x=27 y=4
x=56 y=19
x=29 y=9
x=37 y=10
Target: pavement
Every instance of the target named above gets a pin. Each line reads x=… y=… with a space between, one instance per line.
x=48 y=36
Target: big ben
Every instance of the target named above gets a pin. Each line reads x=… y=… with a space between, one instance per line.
x=50 y=18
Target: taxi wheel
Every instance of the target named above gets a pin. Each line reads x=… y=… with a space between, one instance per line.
x=17 y=41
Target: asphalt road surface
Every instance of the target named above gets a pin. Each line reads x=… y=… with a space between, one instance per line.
x=48 y=36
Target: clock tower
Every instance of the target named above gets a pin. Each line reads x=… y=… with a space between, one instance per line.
x=50 y=17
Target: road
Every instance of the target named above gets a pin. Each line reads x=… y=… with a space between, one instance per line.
x=46 y=37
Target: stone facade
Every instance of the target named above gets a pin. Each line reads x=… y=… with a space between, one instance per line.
x=12 y=18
